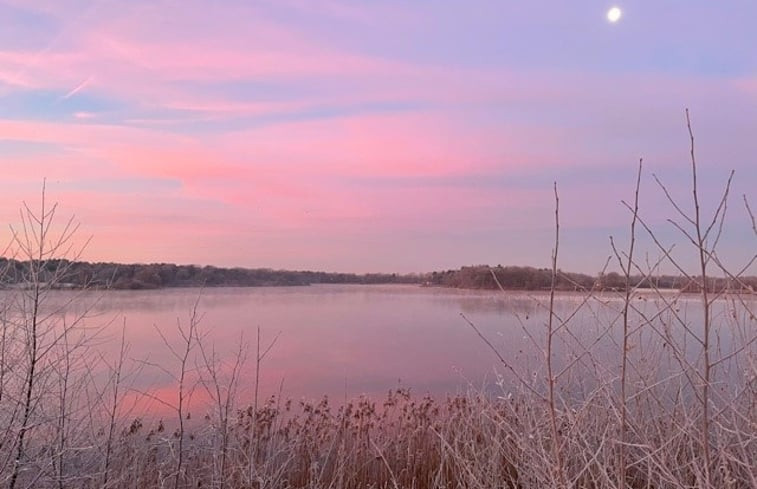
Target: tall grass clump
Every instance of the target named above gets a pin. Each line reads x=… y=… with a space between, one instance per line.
x=624 y=388
x=659 y=389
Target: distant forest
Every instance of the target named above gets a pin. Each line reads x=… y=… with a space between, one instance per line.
x=530 y=278
x=161 y=275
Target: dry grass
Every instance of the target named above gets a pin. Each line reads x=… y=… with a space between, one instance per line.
x=470 y=441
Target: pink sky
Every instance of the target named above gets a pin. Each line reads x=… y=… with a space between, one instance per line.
x=369 y=136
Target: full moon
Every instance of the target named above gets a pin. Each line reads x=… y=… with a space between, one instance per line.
x=613 y=15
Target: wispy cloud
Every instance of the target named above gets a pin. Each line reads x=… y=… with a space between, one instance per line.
x=84 y=115
x=81 y=86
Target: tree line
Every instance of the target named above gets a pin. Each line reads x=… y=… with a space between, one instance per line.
x=531 y=278
x=82 y=274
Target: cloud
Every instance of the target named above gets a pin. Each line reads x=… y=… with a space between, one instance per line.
x=289 y=124
x=84 y=115
x=81 y=86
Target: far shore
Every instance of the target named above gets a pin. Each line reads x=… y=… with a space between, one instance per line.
x=64 y=274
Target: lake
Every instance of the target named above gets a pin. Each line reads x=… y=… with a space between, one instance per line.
x=348 y=340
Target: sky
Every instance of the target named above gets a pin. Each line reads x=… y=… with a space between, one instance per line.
x=383 y=135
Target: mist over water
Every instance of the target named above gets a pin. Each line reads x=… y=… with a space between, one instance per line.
x=344 y=341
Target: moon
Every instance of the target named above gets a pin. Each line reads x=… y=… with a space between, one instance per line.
x=614 y=14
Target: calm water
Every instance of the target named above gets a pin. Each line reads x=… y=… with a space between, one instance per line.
x=338 y=340
x=344 y=340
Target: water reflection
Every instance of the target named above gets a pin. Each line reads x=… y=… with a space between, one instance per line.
x=347 y=340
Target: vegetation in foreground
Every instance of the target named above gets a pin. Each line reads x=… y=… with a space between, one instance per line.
x=466 y=441
x=673 y=406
